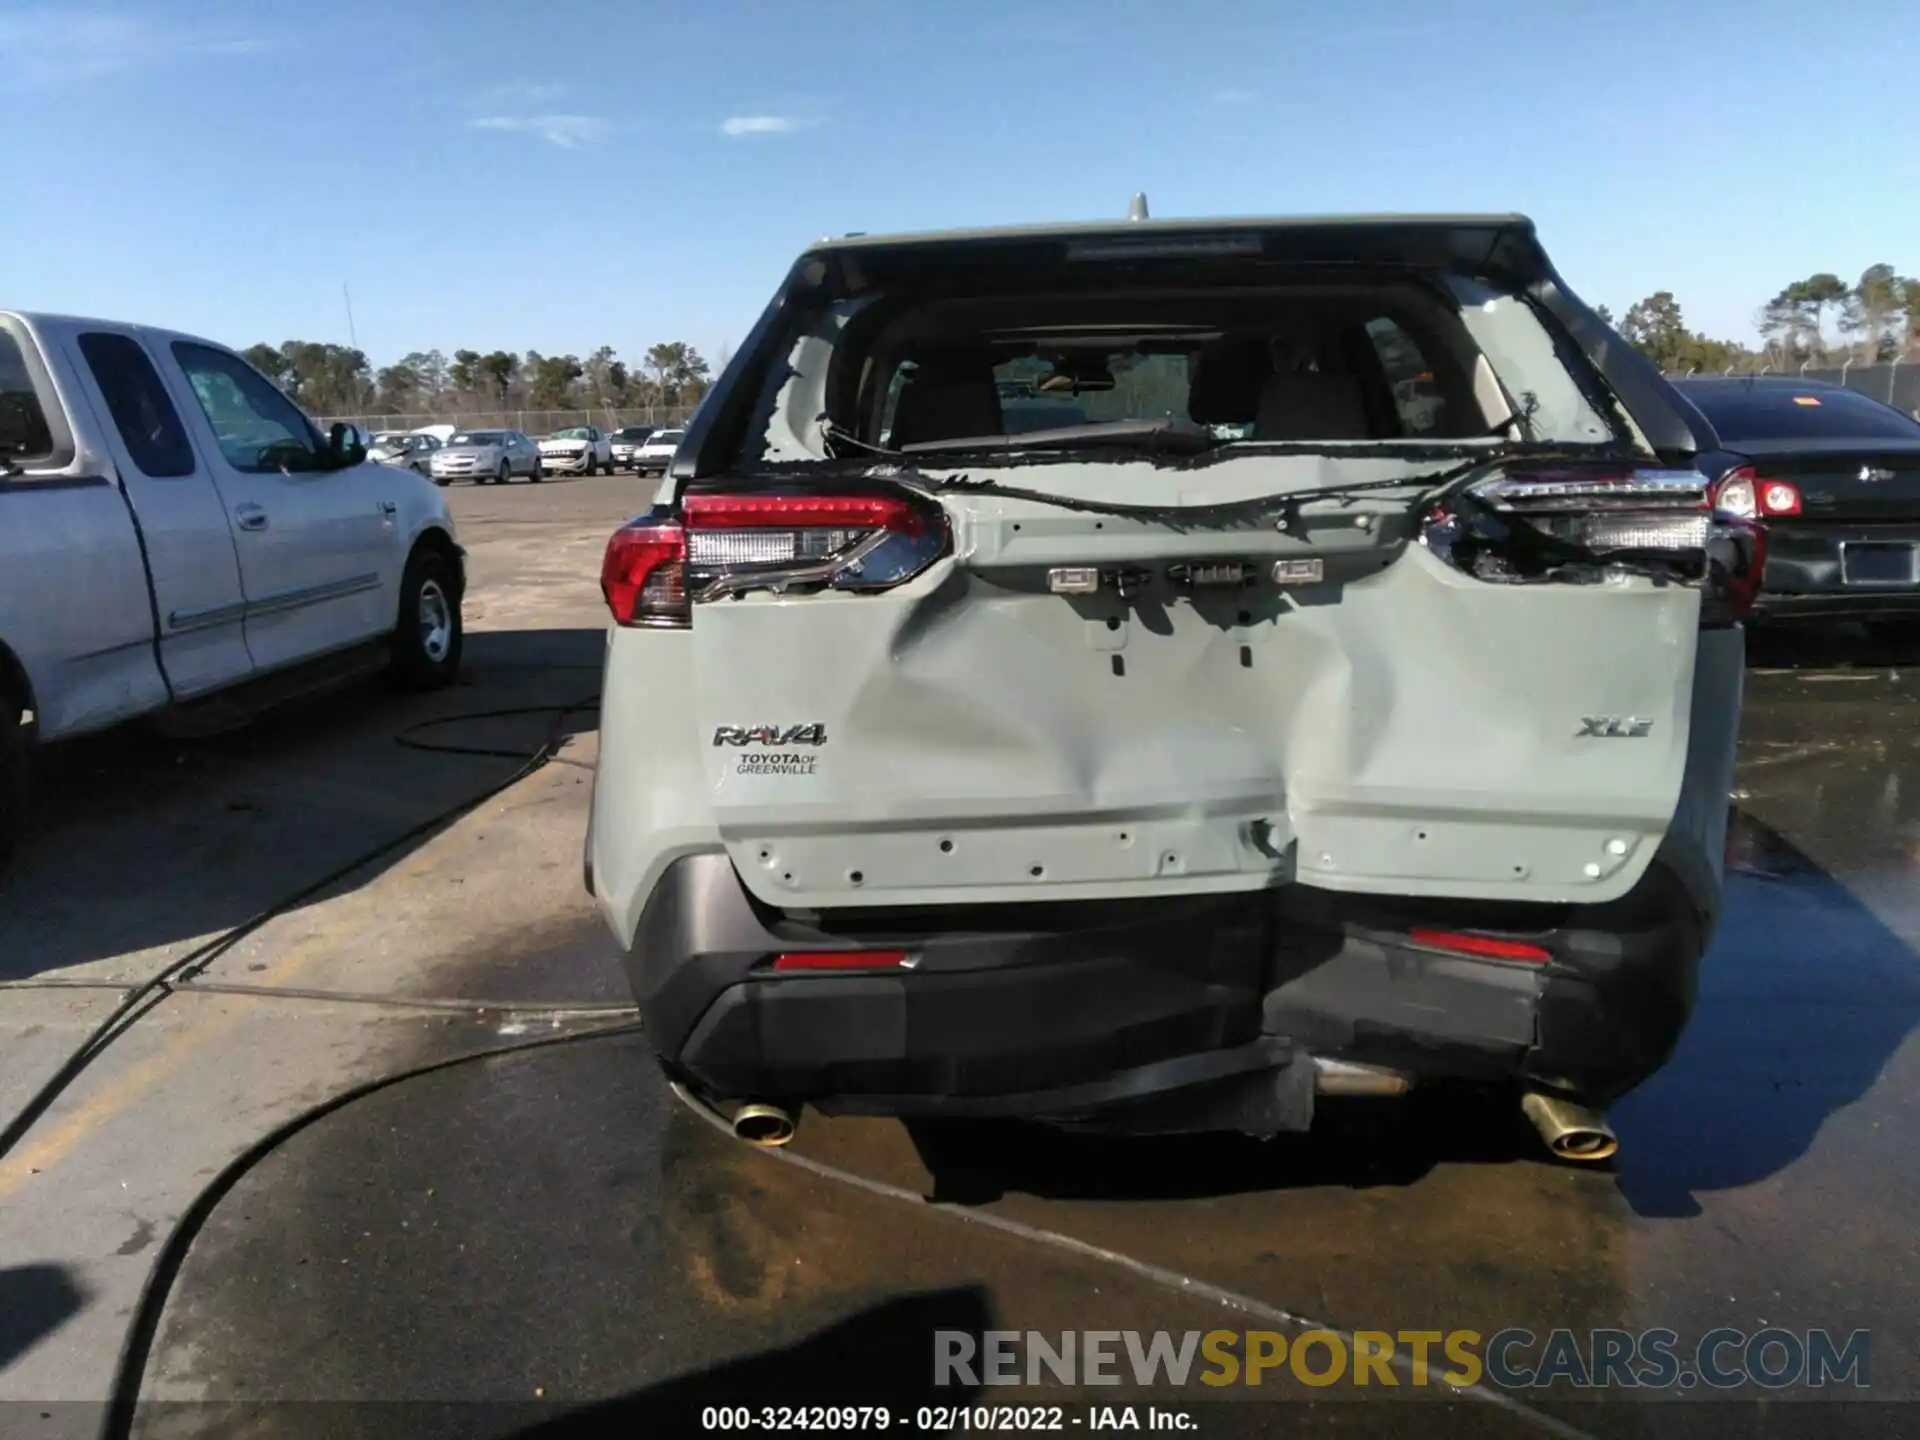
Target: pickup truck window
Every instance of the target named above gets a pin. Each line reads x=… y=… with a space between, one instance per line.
x=258 y=429
x=24 y=434
x=138 y=402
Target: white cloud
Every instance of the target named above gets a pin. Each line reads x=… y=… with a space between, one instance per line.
x=738 y=125
x=51 y=48
x=522 y=92
x=569 y=132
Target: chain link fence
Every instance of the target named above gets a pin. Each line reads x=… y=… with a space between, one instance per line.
x=1898 y=383
x=535 y=423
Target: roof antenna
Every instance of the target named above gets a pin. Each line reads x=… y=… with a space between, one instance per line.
x=1138 y=209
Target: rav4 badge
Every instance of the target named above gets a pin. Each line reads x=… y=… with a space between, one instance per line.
x=738 y=735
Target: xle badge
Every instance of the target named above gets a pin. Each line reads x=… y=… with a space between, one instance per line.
x=1615 y=727
x=775 y=755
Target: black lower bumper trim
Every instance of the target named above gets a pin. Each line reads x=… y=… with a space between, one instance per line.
x=1062 y=1010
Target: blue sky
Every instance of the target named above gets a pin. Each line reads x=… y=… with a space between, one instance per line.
x=565 y=175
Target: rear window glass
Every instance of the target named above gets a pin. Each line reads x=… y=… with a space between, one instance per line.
x=1417 y=399
x=24 y=434
x=1779 y=412
x=949 y=358
x=149 y=426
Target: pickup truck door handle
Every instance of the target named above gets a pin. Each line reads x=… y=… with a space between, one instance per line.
x=389 y=507
x=250 y=517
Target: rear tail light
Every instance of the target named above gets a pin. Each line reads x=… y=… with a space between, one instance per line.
x=1578 y=524
x=1744 y=492
x=788 y=541
x=656 y=570
x=644 y=575
x=1481 y=947
x=841 y=960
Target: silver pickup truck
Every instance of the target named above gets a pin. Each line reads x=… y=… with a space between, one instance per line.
x=177 y=538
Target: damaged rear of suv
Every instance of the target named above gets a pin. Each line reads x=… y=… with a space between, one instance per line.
x=1147 y=676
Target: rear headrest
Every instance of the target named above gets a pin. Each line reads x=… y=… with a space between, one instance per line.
x=1224 y=387
x=1312 y=405
x=949 y=396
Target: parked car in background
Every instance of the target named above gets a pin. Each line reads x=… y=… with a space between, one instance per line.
x=655 y=453
x=442 y=433
x=1057 y=774
x=486 y=456
x=1835 y=477
x=582 y=450
x=400 y=447
x=177 y=538
x=626 y=440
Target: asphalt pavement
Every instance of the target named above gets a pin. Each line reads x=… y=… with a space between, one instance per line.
x=519 y=1243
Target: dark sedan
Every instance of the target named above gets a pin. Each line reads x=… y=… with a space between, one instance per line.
x=1835 y=477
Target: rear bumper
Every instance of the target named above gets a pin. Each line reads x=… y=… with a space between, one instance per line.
x=1805 y=580
x=1189 y=1013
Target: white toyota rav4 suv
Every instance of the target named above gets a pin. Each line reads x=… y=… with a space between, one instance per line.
x=1145 y=676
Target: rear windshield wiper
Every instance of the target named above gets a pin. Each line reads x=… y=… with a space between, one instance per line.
x=1256 y=509
x=1165 y=436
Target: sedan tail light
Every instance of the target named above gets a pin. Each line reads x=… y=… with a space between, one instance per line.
x=656 y=569
x=1745 y=492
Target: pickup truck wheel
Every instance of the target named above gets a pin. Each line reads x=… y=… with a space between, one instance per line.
x=13 y=780
x=504 y=476
x=427 y=638
x=539 y=471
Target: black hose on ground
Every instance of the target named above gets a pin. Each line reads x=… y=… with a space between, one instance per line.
x=136 y=1350
x=152 y=991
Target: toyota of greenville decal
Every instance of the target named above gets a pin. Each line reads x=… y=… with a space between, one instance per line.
x=773 y=749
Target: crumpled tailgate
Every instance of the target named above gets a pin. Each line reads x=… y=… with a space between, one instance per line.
x=972 y=737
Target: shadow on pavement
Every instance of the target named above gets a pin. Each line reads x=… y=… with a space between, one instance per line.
x=878 y=1357
x=1804 y=997
x=1833 y=645
x=1354 y=1144
x=35 y=1301
x=140 y=842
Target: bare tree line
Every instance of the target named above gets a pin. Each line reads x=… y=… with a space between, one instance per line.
x=1820 y=320
x=338 y=380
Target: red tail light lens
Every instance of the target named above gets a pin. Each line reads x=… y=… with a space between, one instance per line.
x=840 y=960
x=644 y=575
x=808 y=541
x=787 y=512
x=1481 y=947
x=1744 y=492
x=1778 y=497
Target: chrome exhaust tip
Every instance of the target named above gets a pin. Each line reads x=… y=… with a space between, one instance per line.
x=1343 y=1077
x=1571 y=1131
x=765 y=1125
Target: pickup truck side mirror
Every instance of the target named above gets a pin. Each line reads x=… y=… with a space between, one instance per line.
x=343 y=447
